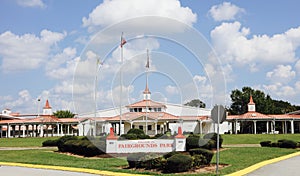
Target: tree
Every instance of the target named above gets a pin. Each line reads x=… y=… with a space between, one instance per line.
x=196 y=103
x=63 y=114
x=264 y=103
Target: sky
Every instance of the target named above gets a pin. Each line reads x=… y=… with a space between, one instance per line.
x=65 y=50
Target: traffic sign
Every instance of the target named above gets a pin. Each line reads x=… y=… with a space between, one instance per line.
x=218 y=112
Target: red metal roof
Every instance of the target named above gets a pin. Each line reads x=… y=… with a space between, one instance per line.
x=148 y=103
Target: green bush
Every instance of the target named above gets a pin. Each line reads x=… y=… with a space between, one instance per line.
x=178 y=163
x=287 y=144
x=204 y=152
x=157 y=136
x=265 y=143
x=62 y=140
x=214 y=136
x=151 y=161
x=134 y=160
x=84 y=147
x=129 y=136
x=168 y=155
x=199 y=160
x=136 y=131
x=192 y=142
x=50 y=143
x=274 y=144
x=298 y=145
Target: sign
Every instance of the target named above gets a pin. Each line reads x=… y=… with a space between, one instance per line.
x=218 y=112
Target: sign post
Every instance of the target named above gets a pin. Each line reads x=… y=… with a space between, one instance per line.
x=218 y=115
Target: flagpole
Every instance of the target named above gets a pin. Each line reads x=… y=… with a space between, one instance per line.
x=147 y=69
x=121 y=77
x=95 y=96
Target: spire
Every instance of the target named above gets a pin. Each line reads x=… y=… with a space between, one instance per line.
x=47 y=110
x=47 y=105
x=146 y=91
x=251 y=105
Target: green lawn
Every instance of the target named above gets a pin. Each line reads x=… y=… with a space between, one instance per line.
x=257 y=138
x=237 y=158
x=23 y=142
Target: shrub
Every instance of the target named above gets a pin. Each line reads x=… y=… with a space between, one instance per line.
x=206 y=153
x=168 y=155
x=158 y=136
x=274 y=144
x=151 y=161
x=136 y=131
x=134 y=160
x=287 y=144
x=214 y=136
x=178 y=163
x=199 y=160
x=50 y=143
x=192 y=142
x=265 y=143
x=129 y=136
x=62 y=140
x=298 y=145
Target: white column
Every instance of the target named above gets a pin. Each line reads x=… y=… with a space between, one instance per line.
x=254 y=126
x=57 y=125
x=155 y=127
x=61 y=130
x=41 y=130
x=292 y=126
x=8 y=131
x=285 y=128
x=235 y=127
x=68 y=129
x=267 y=127
x=24 y=127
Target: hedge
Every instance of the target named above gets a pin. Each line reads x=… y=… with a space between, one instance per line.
x=199 y=160
x=62 y=140
x=266 y=143
x=287 y=144
x=134 y=160
x=206 y=153
x=50 y=143
x=178 y=163
x=214 y=136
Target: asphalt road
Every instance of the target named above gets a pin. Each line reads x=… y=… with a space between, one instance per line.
x=23 y=171
x=288 y=167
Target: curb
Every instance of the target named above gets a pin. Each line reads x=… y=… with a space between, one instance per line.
x=261 y=164
x=72 y=169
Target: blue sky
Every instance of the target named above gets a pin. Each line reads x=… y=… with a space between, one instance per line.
x=48 y=50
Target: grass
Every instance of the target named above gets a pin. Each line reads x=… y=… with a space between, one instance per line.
x=237 y=158
x=23 y=142
x=257 y=138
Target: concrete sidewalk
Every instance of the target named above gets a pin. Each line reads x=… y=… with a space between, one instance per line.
x=288 y=167
x=21 y=171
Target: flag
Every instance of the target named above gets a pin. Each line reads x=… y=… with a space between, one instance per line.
x=147 y=64
x=123 y=41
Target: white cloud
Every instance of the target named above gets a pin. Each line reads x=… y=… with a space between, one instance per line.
x=280 y=91
x=114 y=11
x=171 y=89
x=27 y=51
x=225 y=11
x=231 y=43
x=62 y=65
x=297 y=66
x=281 y=74
x=31 y=3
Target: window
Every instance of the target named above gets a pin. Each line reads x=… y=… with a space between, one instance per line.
x=149 y=127
x=139 y=109
x=158 y=127
x=141 y=127
x=131 y=109
x=159 y=109
x=133 y=127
